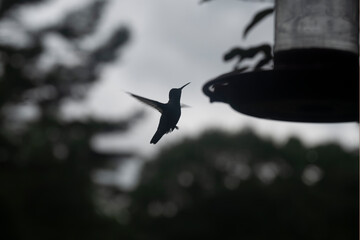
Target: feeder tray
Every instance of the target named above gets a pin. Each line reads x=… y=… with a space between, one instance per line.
x=313 y=85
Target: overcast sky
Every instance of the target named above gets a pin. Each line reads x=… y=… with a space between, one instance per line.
x=174 y=42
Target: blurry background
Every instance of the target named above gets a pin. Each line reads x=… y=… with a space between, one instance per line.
x=75 y=157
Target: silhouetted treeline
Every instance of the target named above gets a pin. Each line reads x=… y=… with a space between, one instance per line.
x=241 y=186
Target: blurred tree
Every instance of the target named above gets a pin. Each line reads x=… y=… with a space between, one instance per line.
x=241 y=186
x=46 y=161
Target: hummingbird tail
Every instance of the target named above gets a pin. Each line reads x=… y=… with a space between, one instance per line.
x=156 y=137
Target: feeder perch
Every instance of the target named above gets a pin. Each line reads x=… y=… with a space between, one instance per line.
x=316 y=67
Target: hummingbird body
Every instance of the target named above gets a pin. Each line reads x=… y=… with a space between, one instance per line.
x=168 y=120
x=170 y=112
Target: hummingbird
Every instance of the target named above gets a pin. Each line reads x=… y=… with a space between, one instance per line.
x=170 y=112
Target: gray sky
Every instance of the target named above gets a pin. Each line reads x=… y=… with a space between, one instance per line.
x=174 y=42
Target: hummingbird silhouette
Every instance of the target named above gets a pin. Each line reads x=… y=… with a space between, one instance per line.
x=170 y=112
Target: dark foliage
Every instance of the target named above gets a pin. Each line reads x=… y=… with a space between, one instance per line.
x=240 y=186
x=249 y=53
x=257 y=18
x=46 y=162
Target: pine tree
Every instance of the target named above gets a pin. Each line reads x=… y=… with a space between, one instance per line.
x=46 y=161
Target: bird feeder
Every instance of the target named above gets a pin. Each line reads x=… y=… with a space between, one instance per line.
x=316 y=67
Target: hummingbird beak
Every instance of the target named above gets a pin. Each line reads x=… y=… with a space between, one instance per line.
x=184 y=85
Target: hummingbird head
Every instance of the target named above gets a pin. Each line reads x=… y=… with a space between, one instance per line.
x=175 y=93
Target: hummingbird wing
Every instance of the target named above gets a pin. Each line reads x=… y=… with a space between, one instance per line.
x=152 y=103
x=182 y=105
